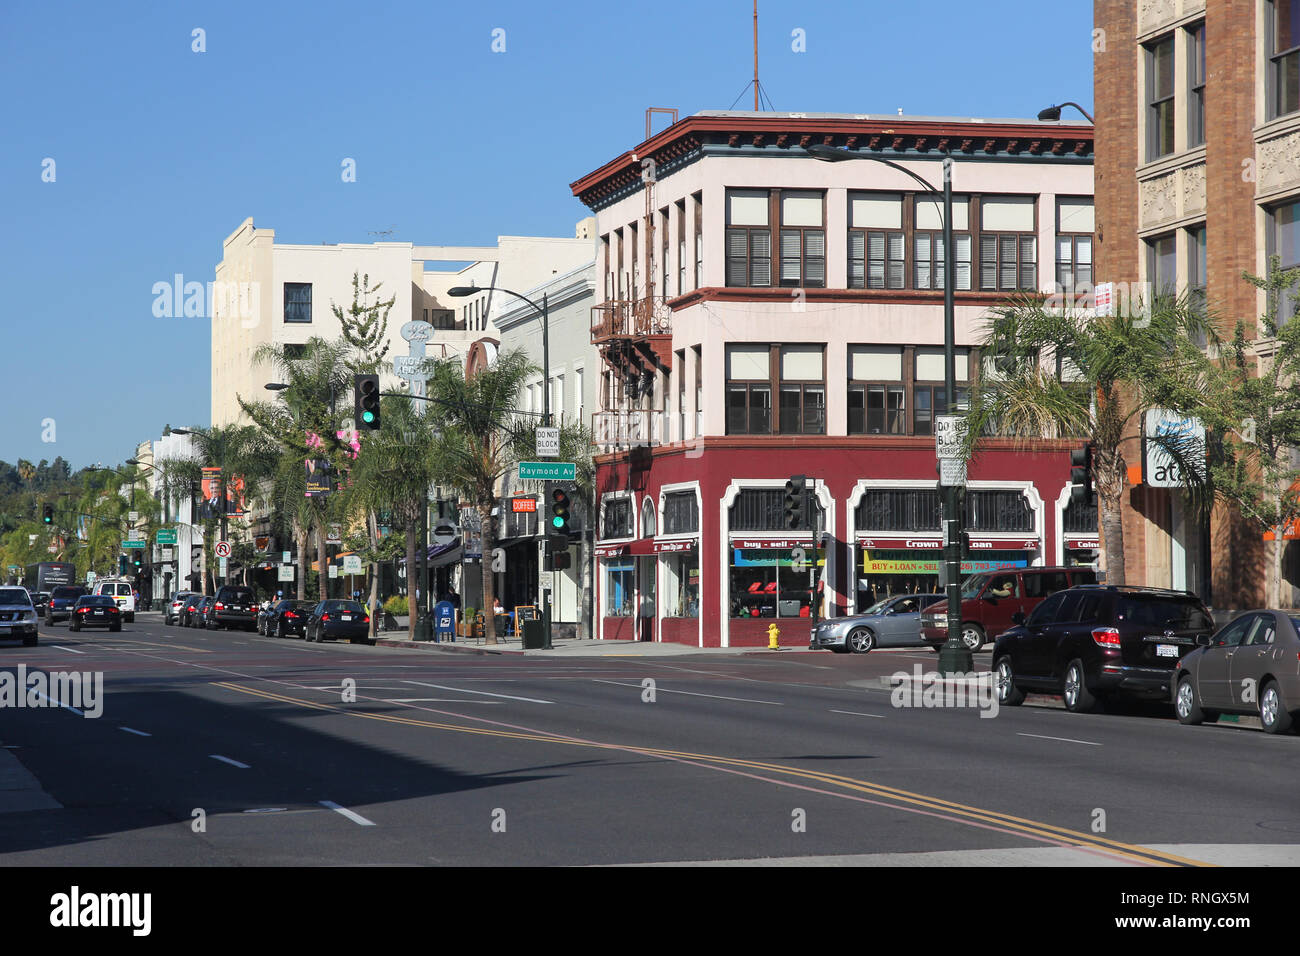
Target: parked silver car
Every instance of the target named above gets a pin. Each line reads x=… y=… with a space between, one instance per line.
x=893 y=622
x=1251 y=666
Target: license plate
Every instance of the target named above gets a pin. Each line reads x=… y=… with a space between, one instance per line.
x=5 y=629
x=1167 y=650
x=347 y=617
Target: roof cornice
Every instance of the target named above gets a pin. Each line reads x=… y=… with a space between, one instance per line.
x=785 y=134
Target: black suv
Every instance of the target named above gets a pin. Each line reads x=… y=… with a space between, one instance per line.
x=1094 y=641
x=234 y=606
x=62 y=599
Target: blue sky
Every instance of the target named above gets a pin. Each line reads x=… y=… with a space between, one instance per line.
x=160 y=152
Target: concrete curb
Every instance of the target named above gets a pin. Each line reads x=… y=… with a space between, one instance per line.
x=444 y=648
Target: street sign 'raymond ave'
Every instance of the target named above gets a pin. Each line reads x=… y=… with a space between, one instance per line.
x=547 y=470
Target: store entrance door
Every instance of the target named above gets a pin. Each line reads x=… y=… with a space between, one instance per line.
x=645 y=570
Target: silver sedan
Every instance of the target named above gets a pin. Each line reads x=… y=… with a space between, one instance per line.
x=893 y=622
x=1251 y=666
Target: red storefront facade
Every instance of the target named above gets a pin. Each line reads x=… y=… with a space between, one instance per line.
x=643 y=572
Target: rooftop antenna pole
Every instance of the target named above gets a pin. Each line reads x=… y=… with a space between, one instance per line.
x=756 y=107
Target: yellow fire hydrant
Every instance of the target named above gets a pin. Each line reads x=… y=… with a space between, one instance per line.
x=773 y=634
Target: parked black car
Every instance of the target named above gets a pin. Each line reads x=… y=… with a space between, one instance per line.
x=234 y=606
x=199 y=616
x=1096 y=641
x=62 y=600
x=287 y=617
x=188 y=616
x=334 y=619
x=96 y=610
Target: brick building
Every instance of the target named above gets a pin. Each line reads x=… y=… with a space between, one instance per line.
x=1197 y=181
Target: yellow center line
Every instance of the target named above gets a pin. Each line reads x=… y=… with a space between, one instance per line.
x=961 y=813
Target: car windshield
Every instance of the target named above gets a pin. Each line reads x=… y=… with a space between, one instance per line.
x=879 y=606
x=68 y=592
x=973 y=585
x=14 y=596
x=97 y=600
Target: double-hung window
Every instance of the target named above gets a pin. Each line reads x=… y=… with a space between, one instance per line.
x=1160 y=97
x=1162 y=265
x=928 y=258
x=803 y=240
x=1284 y=242
x=1008 y=244
x=1196 y=268
x=1283 y=46
x=749 y=238
x=876 y=241
x=749 y=390
x=1195 y=85
x=803 y=390
x=297 y=302
x=929 y=396
x=876 y=397
x=1075 y=225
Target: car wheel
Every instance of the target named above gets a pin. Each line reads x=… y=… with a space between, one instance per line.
x=861 y=640
x=972 y=635
x=1186 y=703
x=30 y=641
x=73 y=627
x=130 y=618
x=1009 y=695
x=1078 y=699
x=279 y=630
x=1272 y=710
x=115 y=627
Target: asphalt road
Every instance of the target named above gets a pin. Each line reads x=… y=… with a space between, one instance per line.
x=226 y=748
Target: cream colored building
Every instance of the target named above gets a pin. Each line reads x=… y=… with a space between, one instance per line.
x=284 y=294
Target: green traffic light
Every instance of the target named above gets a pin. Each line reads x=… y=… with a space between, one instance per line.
x=367 y=417
x=557 y=522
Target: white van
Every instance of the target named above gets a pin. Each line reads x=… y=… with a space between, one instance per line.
x=122 y=592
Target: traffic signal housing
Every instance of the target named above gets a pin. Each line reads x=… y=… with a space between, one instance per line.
x=796 y=503
x=121 y=565
x=1081 y=473
x=47 y=514
x=366 y=402
x=560 y=507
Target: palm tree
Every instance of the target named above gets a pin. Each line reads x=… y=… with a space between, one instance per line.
x=301 y=425
x=393 y=473
x=1068 y=374
x=479 y=439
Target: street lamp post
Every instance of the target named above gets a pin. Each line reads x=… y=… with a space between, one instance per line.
x=544 y=311
x=954 y=657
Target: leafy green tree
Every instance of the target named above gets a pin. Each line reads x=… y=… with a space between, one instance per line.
x=365 y=324
x=1064 y=373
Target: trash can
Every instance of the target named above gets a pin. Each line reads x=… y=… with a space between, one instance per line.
x=534 y=635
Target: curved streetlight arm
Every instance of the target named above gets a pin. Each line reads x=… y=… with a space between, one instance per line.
x=542 y=310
